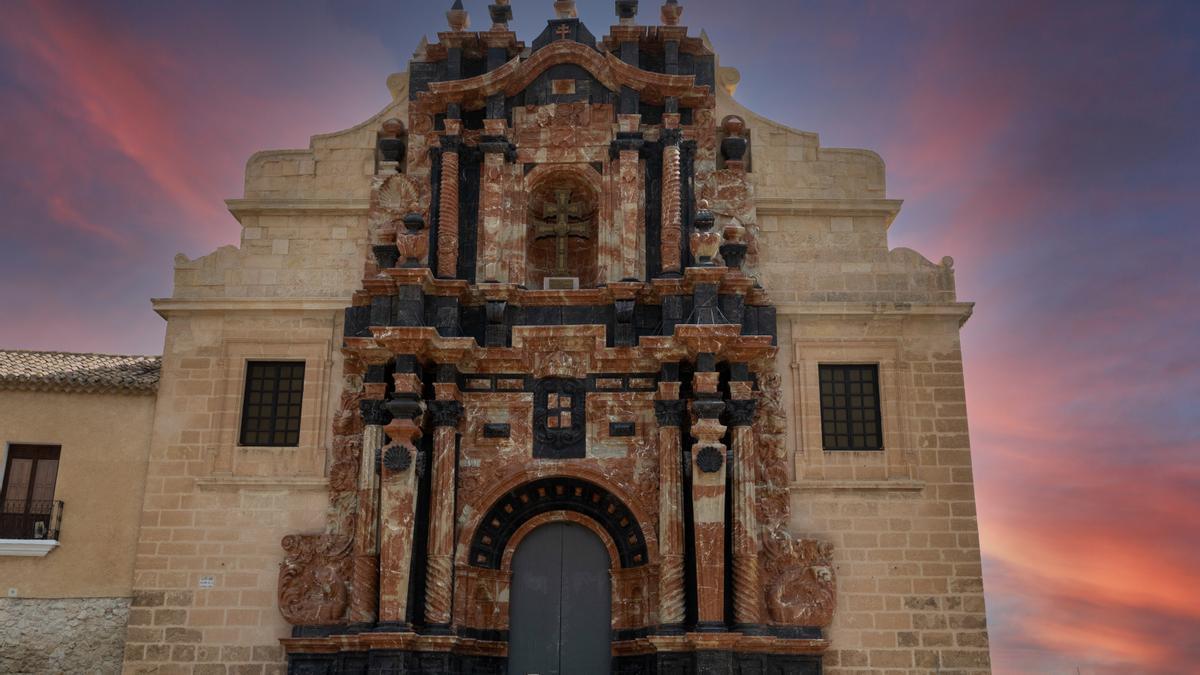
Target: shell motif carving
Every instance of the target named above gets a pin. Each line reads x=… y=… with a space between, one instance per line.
x=313 y=586
x=395 y=197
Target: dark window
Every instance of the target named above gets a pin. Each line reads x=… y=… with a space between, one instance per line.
x=271 y=407
x=27 y=498
x=558 y=424
x=850 y=417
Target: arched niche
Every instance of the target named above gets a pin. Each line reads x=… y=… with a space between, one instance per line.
x=564 y=217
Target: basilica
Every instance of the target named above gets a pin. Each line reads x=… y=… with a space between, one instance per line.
x=565 y=362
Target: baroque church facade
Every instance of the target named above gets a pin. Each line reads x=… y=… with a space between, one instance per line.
x=564 y=362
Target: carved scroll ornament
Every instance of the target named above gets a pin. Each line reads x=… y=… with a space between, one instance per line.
x=800 y=584
x=313 y=586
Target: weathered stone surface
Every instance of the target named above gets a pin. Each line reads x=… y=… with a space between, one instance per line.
x=62 y=636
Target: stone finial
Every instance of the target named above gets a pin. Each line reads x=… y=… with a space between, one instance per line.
x=501 y=14
x=566 y=9
x=734 y=145
x=705 y=243
x=671 y=12
x=458 y=18
x=626 y=11
x=392 y=128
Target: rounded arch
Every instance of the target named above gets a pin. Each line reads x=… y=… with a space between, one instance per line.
x=566 y=210
x=509 y=514
x=559 y=516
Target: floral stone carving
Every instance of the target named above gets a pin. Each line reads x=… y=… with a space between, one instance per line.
x=313 y=586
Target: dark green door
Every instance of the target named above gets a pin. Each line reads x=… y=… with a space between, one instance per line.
x=561 y=604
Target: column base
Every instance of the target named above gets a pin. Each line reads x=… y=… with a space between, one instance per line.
x=711 y=627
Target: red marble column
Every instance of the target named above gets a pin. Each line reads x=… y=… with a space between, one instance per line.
x=398 y=501
x=669 y=410
x=446 y=413
x=672 y=209
x=364 y=602
x=747 y=606
x=630 y=196
x=447 y=236
x=708 y=501
x=494 y=254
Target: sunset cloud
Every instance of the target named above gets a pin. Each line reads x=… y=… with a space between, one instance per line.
x=1050 y=148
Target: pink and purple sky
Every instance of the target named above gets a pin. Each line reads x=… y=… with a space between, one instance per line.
x=1050 y=147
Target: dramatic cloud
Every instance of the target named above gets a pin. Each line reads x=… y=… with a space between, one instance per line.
x=1049 y=147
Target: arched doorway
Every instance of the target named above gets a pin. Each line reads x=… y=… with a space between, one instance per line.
x=560 y=603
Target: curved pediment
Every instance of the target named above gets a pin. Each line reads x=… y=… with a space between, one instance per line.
x=518 y=74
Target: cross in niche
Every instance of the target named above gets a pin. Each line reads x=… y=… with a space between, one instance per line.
x=563 y=31
x=562 y=211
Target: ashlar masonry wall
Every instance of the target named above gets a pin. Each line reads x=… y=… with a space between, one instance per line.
x=902 y=521
x=215 y=513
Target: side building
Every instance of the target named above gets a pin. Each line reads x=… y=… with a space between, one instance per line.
x=74 y=445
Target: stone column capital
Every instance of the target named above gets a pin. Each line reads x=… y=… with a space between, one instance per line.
x=741 y=413
x=445 y=413
x=670 y=413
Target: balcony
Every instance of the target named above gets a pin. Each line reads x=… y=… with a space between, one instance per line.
x=31 y=531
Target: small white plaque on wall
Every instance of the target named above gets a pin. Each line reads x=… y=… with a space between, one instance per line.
x=207 y=582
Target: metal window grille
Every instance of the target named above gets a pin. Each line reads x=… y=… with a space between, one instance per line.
x=272 y=404
x=850 y=410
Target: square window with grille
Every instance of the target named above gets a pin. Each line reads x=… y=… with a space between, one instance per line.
x=272 y=404
x=850 y=412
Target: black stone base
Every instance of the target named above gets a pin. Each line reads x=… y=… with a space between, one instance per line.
x=717 y=663
x=386 y=662
x=436 y=663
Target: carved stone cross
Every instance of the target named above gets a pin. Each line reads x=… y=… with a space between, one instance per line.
x=563 y=31
x=562 y=210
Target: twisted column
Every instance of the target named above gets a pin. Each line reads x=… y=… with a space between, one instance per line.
x=447 y=237
x=669 y=410
x=439 y=578
x=746 y=591
x=672 y=210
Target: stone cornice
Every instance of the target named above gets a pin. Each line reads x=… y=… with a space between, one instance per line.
x=888 y=209
x=165 y=307
x=857 y=486
x=961 y=310
x=296 y=207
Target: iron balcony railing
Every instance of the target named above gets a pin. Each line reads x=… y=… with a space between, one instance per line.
x=32 y=520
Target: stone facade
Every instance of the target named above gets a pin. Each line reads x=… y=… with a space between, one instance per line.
x=399 y=261
x=66 y=635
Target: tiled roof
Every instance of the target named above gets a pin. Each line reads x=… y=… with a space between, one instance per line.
x=86 y=373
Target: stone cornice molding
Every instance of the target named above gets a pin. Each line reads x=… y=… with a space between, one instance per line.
x=960 y=310
x=298 y=207
x=888 y=209
x=165 y=307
